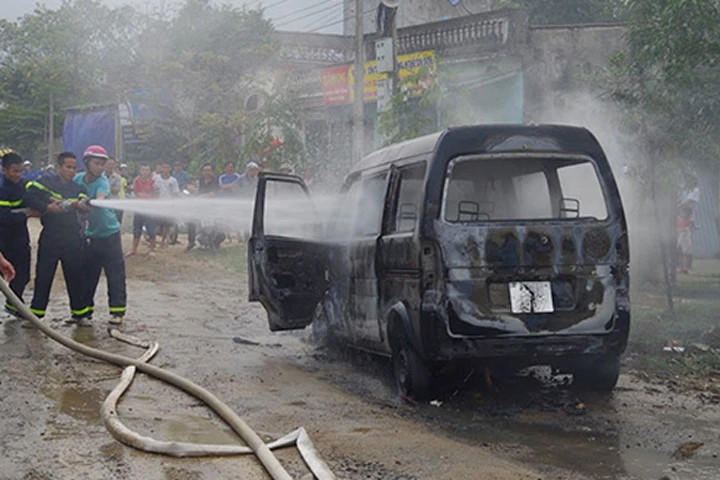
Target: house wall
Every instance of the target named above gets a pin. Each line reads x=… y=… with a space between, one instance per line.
x=559 y=61
x=415 y=12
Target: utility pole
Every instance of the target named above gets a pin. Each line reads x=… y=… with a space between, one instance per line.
x=393 y=35
x=358 y=106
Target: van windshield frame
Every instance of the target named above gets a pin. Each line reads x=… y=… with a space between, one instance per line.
x=539 y=171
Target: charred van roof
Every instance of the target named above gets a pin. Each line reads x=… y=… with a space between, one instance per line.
x=489 y=138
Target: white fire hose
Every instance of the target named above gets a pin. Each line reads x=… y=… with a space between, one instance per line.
x=178 y=449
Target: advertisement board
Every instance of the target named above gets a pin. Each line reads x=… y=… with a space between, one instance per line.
x=338 y=82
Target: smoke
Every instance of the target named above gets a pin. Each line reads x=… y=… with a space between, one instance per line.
x=625 y=152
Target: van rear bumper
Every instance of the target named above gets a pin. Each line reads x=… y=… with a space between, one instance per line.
x=439 y=346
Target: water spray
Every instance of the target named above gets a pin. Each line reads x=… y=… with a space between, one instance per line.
x=179 y=449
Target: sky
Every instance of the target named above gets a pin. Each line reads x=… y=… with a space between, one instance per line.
x=302 y=15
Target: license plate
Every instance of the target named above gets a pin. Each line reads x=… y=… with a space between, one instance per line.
x=531 y=297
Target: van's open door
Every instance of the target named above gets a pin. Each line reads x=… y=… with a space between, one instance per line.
x=286 y=263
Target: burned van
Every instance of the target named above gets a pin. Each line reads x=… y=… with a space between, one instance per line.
x=504 y=245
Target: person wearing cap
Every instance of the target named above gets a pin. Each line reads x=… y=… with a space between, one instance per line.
x=28 y=173
x=14 y=235
x=60 y=200
x=104 y=250
x=128 y=185
x=249 y=180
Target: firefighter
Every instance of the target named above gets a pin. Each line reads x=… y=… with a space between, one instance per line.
x=59 y=199
x=14 y=235
x=104 y=249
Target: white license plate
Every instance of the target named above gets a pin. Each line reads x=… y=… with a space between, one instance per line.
x=531 y=297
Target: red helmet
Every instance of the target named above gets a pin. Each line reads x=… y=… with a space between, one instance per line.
x=94 y=151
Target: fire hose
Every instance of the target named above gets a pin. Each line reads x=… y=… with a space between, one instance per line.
x=179 y=449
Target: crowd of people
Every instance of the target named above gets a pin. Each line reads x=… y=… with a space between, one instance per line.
x=86 y=239
x=166 y=183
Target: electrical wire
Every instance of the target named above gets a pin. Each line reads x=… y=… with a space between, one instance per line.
x=322 y=27
x=280 y=2
x=333 y=12
x=302 y=10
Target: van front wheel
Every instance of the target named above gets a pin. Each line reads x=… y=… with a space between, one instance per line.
x=412 y=376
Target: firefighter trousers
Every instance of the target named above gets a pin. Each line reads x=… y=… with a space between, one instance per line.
x=106 y=254
x=70 y=254
x=17 y=252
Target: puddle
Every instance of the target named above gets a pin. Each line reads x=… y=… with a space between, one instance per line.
x=194 y=429
x=537 y=420
x=84 y=335
x=604 y=444
x=82 y=404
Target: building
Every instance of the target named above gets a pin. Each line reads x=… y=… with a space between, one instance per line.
x=415 y=12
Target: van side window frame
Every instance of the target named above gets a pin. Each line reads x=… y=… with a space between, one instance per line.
x=390 y=225
x=367 y=177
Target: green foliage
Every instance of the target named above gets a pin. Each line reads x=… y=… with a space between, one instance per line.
x=194 y=71
x=668 y=78
x=412 y=111
x=69 y=52
x=422 y=105
x=557 y=12
x=278 y=118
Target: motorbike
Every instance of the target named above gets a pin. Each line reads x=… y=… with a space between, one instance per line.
x=210 y=236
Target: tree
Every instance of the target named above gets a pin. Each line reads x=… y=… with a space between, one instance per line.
x=672 y=70
x=198 y=73
x=54 y=51
x=274 y=131
x=666 y=82
x=193 y=72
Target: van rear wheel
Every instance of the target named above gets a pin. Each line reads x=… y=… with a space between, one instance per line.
x=412 y=376
x=598 y=373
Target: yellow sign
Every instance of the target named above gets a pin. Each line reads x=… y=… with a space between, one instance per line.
x=406 y=66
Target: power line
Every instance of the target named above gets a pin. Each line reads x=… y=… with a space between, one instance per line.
x=333 y=12
x=321 y=11
x=309 y=7
x=280 y=2
x=322 y=27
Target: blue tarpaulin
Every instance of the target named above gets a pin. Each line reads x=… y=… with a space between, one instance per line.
x=85 y=127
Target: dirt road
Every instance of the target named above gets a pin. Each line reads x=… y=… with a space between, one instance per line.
x=208 y=332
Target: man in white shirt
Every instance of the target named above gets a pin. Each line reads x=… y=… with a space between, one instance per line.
x=166 y=188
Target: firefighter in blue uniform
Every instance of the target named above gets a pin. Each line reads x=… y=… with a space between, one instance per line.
x=104 y=248
x=14 y=235
x=60 y=200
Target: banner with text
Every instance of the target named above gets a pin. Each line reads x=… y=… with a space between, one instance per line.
x=338 y=83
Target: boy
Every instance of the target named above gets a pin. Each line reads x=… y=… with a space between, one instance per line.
x=58 y=198
x=104 y=250
x=14 y=235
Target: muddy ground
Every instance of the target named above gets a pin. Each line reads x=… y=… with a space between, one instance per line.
x=197 y=309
